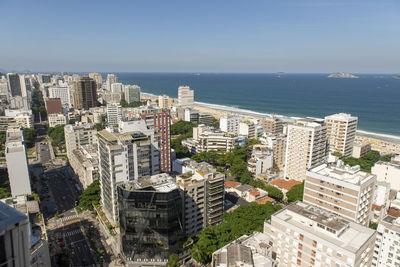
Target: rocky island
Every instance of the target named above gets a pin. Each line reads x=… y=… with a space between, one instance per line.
x=343 y=75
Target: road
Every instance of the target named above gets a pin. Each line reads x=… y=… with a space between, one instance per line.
x=42 y=145
x=69 y=225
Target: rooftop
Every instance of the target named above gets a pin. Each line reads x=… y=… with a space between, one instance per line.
x=9 y=216
x=325 y=225
x=341 y=117
x=342 y=172
x=392 y=222
x=160 y=183
x=287 y=185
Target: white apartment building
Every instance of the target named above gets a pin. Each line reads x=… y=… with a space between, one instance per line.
x=164 y=101
x=387 y=245
x=114 y=114
x=305 y=148
x=56 y=119
x=341 y=132
x=388 y=172
x=247 y=129
x=64 y=93
x=17 y=162
x=261 y=160
x=185 y=96
x=342 y=190
x=129 y=154
x=132 y=93
x=22 y=118
x=14 y=237
x=230 y=124
x=305 y=235
x=111 y=78
x=85 y=163
x=117 y=88
x=209 y=138
x=78 y=135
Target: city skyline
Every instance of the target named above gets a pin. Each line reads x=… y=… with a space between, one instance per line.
x=306 y=37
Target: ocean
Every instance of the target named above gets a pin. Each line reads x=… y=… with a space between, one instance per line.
x=375 y=99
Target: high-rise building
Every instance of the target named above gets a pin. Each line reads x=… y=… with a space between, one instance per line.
x=63 y=93
x=388 y=172
x=97 y=77
x=192 y=115
x=14 y=237
x=230 y=124
x=272 y=125
x=114 y=114
x=132 y=93
x=278 y=145
x=305 y=148
x=164 y=101
x=203 y=198
x=341 y=132
x=150 y=219
x=305 y=235
x=17 y=162
x=387 y=244
x=342 y=190
x=247 y=129
x=85 y=93
x=210 y=139
x=78 y=135
x=261 y=160
x=124 y=156
x=22 y=118
x=160 y=121
x=117 y=88
x=14 y=84
x=185 y=96
x=111 y=78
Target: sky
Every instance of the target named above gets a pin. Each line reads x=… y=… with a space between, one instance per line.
x=301 y=36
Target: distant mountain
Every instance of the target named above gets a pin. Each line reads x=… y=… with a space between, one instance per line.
x=343 y=75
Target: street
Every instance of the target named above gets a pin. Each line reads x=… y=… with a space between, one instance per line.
x=66 y=227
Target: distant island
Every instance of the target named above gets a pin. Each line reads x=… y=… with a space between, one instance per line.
x=343 y=75
x=397 y=77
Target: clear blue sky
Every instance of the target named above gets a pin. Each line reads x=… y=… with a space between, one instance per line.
x=360 y=36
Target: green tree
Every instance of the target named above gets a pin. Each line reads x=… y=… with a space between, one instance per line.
x=182 y=127
x=57 y=135
x=29 y=136
x=132 y=104
x=173 y=260
x=366 y=161
x=242 y=221
x=5 y=190
x=296 y=193
x=99 y=126
x=89 y=197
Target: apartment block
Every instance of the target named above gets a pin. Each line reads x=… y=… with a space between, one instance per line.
x=278 y=145
x=56 y=119
x=388 y=172
x=360 y=150
x=150 y=219
x=22 y=118
x=14 y=237
x=203 y=197
x=305 y=148
x=342 y=190
x=127 y=155
x=164 y=101
x=387 y=245
x=114 y=114
x=78 y=135
x=97 y=77
x=272 y=125
x=85 y=93
x=208 y=139
x=305 y=235
x=185 y=96
x=230 y=124
x=261 y=159
x=17 y=162
x=85 y=163
x=341 y=132
x=132 y=93
x=63 y=93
